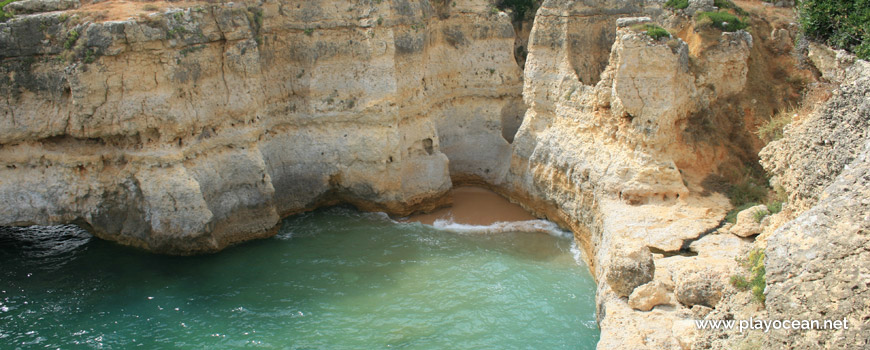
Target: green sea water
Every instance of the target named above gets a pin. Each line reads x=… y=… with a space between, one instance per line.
x=330 y=279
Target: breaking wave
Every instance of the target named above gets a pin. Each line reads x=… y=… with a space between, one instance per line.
x=543 y=226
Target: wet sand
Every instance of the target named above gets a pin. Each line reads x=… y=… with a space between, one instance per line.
x=476 y=206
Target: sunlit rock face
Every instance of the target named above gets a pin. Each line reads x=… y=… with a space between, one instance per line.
x=187 y=130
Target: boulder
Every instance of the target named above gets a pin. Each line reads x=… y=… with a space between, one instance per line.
x=647 y=296
x=699 y=286
x=747 y=222
x=629 y=268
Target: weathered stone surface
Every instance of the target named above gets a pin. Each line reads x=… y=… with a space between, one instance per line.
x=698 y=286
x=817 y=264
x=629 y=267
x=600 y=145
x=696 y=6
x=830 y=243
x=22 y=7
x=747 y=223
x=819 y=148
x=721 y=246
x=648 y=296
x=249 y=113
x=630 y=21
x=188 y=130
x=837 y=66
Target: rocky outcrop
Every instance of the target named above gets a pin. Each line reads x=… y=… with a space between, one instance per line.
x=817 y=263
x=188 y=130
x=607 y=150
x=629 y=267
x=748 y=221
x=699 y=286
x=21 y=7
x=648 y=296
x=815 y=256
x=819 y=149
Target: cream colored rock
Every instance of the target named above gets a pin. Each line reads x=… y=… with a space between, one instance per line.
x=648 y=296
x=651 y=85
x=246 y=116
x=747 y=223
x=697 y=285
x=726 y=64
x=243 y=114
x=629 y=267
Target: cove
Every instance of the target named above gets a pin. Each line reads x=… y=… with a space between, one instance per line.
x=331 y=279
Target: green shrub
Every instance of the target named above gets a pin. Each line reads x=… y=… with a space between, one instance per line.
x=774 y=207
x=747 y=191
x=722 y=20
x=4 y=16
x=759 y=215
x=728 y=5
x=774 y=202
x=71 y=39
x=90 y=56
x=843 y=24
x=652 y=30
x=520 y=8
x=755 y=283
x=677 y=4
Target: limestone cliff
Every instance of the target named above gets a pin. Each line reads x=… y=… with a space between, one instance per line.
x=187 y=130
x=817 y=263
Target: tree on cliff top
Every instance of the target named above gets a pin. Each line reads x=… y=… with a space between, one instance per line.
x=520 y=7
x=843 y=24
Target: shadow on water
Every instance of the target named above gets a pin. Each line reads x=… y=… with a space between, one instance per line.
x=332 y=278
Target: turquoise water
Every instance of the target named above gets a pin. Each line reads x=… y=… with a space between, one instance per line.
x=331 y=279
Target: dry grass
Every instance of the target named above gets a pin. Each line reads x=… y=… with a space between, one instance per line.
x=115 y=10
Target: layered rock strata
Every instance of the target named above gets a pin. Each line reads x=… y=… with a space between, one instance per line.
x=187 y=130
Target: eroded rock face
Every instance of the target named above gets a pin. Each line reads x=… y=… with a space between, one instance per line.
x=817 y=263
x=35 y=6
x=629 y=268
x=600 y=155
x=198 y=128
x=821 y=148
x=186 y=131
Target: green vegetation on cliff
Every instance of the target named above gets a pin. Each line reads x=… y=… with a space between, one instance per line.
x=4 y=16
x=722 y=20
x=843 y=24
x=520 y=7
x=652 y=30
x=677 y=4
x=755 y=283
x=729 y=5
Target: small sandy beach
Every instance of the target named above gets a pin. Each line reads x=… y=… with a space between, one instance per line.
x=476 y=206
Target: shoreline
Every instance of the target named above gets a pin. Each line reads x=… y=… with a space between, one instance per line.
x=474 y=205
